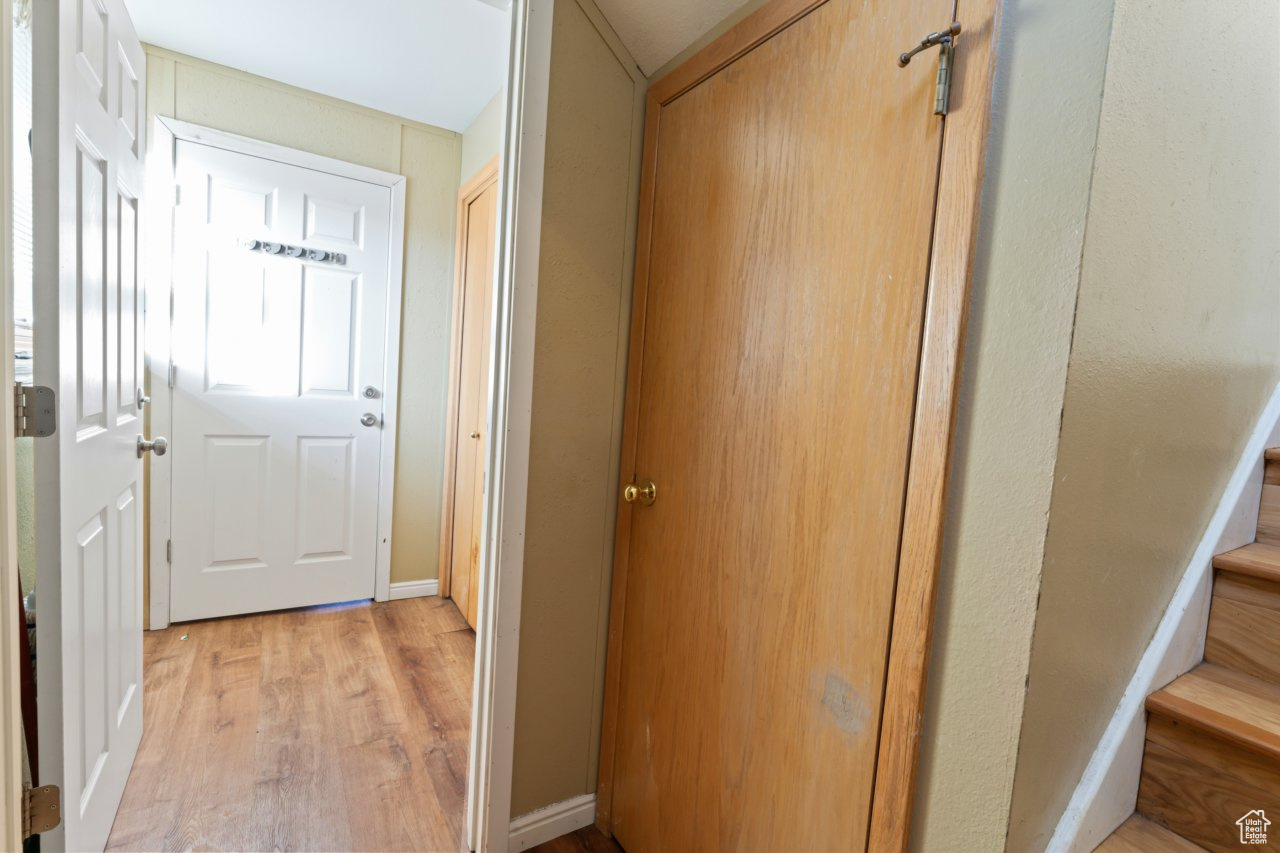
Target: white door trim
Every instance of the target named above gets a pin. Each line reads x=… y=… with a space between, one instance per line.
x=11 y=744
x=553 y=821
x=493 y=711
x=161 y=159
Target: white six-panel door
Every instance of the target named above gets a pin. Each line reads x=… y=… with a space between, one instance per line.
x=276 y=361
x=88 y=151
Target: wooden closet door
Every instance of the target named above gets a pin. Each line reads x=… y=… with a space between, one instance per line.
x=479 y=221
x=791 y=199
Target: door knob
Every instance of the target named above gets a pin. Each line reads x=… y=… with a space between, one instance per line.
x=475 y=435
x=645 y=492
x=369 y=419
x=159 y=444
x=143 y=399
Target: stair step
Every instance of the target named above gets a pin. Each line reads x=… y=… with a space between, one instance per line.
x=1244 y=626
x=1229 y=705
x=1139 y=835
x=1212 y=754
x=1269 y=510
x=1260 y=560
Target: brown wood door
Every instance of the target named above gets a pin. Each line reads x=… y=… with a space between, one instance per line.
x=790 y=201
x=477 y=223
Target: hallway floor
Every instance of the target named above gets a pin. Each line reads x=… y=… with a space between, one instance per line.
x=332 y=728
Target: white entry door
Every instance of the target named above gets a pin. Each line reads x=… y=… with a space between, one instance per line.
x=278 y=372
x=88 y=151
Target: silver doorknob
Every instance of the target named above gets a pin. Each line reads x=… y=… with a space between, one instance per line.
x=369 y=419
x=159 y=444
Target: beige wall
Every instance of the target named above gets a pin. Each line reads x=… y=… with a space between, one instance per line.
x=1046 y=100
x=584 y=300
x=1177 y=347
x=482 y=140
x=223 y=98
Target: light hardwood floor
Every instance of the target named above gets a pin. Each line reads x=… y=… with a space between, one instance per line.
x=331 y=728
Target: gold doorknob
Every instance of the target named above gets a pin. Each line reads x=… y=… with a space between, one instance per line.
x=475 y=435
x=646 y=492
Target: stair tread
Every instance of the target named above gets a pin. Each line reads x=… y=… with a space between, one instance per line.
x=1259 y=560
x=1140 y=835
x=1226 y=704
x=1273 y=454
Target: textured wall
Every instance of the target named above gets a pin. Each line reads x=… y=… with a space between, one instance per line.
x=482 y=140
x=1046 y=102
x=223 y=98
x=1177 y=346
x=584 y=301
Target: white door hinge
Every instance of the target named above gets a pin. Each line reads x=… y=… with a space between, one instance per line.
x=168 y=551
x=173 y=375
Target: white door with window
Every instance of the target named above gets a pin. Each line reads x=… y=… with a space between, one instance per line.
x=280 y=325
x=89 y=75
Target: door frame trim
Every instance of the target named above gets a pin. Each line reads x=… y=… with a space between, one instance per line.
x=11 y=743
x=513 y=332
x=166 y=133
x=951 y=264
x=486 y=177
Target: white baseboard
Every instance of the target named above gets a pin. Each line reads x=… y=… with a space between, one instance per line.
x=552 y=822
x=413 y=589
x=1108 y=790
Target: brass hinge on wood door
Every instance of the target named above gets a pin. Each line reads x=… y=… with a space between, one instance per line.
x=35 y=414
x=945 y=40
x=41 y=809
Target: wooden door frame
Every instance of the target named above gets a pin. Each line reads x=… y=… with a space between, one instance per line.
x=159 y=223
x=951 y=260
x=470 y=191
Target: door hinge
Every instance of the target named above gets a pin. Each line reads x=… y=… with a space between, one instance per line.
x=945 y=41
x=173 y=375
x=41 y=809
x=168 y=551
x=35 y=413
x=177 y=194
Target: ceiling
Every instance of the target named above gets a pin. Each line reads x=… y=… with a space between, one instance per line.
x=435 y=61
x=656 y=30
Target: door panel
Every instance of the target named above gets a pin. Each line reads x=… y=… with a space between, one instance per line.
x=479 y=227
x=275 y=478
x=326 y=485
x=792 y=202
x=88 y=70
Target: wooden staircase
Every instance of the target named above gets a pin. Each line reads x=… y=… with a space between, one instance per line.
x=1213 y=735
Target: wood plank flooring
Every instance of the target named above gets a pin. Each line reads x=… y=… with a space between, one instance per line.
x=330 y=728
x=587 y=840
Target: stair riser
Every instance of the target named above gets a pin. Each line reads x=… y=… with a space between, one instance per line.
x=1199 y=785
x=1244 y=626
x=1269 y=514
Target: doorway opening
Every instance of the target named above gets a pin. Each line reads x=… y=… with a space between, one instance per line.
x=265 y=240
